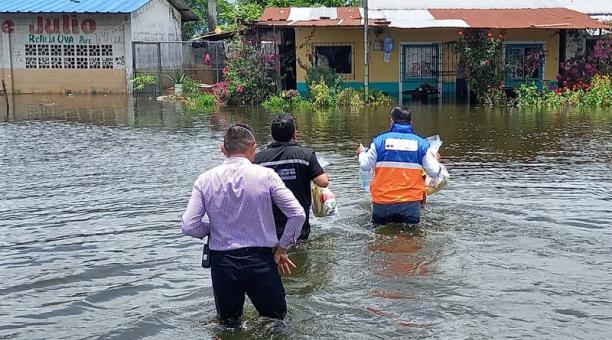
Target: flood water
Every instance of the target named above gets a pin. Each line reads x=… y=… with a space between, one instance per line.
x=519 y=245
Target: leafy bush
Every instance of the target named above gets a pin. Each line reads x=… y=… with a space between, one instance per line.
x=583 y=69
x=276 y=104
x=350 y=98
x=202 y=101
x=333 y=81
x=289 y=100
x=247 y=79
x=379 y=98
x=482 y=55
x=528 y=94
x=190 y=85
x=320 y=95
x=599 y=93
x=142 y=80
x=596 y=94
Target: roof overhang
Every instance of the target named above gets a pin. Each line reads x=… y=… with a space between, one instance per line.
x=538 y=18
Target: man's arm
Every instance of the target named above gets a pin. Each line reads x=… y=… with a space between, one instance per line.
x=367 y=158
x=289 y=205
x=192 y=218
x=317 y=173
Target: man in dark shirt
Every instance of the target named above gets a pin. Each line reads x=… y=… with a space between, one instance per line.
x=296 y=165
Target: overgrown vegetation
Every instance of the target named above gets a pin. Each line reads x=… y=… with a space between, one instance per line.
x=481 y=53
x=287 y=101
x=142 y=80
x=233 y=15
x=597 y=93
x=247 y=79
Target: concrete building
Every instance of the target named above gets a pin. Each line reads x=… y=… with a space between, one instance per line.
x=65 y=46
x=411 y=50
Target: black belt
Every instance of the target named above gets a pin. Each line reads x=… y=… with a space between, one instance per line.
x=245 y=251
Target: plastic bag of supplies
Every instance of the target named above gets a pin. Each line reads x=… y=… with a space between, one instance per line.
x=323 y=202
x=439 y=182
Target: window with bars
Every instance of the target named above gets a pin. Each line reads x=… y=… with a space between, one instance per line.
x=57 y=56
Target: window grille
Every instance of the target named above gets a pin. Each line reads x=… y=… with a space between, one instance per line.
x=56 y=56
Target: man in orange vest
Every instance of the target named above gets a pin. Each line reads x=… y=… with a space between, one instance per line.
x=399 y=157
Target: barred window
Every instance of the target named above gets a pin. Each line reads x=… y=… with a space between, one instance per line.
x=58 y=56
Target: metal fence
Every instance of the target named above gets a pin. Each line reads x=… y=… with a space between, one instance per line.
x=202 y=61
x=431 y=72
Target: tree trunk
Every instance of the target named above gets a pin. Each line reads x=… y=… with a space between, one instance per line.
x=212 y=15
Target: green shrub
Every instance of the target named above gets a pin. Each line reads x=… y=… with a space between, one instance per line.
x=599 y=93
x=379 y=98
x=190 y=86
x=201 y=101
x=529 y=95
x=334 y=82
x=285 y=102
x=320 y=95
x=142 y=80
x=276 y=104
x=352 y=98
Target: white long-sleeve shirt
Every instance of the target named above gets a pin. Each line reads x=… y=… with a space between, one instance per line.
x=367 y=161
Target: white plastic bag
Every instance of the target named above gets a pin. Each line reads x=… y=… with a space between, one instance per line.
x=323 y=201
x=439 y=182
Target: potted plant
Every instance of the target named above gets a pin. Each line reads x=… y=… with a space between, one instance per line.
x=178 y=77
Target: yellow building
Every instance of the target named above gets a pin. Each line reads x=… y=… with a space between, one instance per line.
x=413 y=49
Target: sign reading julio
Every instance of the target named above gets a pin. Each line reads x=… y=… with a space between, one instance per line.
x=67 y=24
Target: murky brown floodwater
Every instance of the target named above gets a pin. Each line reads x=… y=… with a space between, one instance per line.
x=517 y=247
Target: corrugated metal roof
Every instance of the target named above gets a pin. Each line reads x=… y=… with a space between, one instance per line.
x=69 y=6
x=313 y=17
x=558 y=18
x=86 y=6
x=414 y=19
x=583 y=6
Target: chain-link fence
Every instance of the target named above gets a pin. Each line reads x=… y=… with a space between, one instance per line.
x=202 y=61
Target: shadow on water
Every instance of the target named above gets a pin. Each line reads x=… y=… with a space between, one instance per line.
x=93 y=188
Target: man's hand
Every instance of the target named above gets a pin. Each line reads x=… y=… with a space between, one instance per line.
x=282 y=260
x=360 y=149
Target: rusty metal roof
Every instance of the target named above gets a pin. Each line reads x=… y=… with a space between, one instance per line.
x=314 y=17
x=553 y=18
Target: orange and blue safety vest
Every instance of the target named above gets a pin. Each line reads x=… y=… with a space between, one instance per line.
x=398 y=177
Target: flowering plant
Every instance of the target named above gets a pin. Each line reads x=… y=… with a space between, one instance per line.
x=247 y=79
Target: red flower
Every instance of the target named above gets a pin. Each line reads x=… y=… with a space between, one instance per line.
x=460 y=33
x=489 y=35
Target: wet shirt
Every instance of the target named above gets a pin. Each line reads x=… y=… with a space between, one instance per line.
x=297 y=166
x=237 y=197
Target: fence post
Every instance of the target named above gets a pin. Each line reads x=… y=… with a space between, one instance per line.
x=217 y=60
x=159 y=68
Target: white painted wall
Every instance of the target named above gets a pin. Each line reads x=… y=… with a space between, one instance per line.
x=109 y=30
x=156 y=21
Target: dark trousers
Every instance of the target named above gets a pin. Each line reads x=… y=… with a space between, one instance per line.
x=404 y=213
x=250 y=271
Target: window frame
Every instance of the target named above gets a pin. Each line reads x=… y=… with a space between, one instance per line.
x=350 y=75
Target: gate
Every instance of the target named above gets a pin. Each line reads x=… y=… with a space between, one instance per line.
x=202 y=61
x=430 y=72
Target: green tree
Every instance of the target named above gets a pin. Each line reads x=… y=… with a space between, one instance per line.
x=232 y=16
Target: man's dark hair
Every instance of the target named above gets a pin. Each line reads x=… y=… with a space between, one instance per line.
x=283 y=128
x=238 y=139
x=401 y=115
